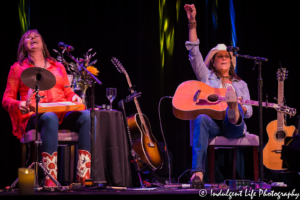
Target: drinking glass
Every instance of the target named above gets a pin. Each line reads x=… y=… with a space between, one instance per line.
x=111 y=94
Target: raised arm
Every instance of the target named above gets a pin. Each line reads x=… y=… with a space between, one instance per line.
x=191 y=15
x=195 y=57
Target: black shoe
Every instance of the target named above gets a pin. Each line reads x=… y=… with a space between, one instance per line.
x=197 y=183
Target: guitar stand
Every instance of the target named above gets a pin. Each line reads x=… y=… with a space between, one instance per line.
x=134 y=155
x=146 y=167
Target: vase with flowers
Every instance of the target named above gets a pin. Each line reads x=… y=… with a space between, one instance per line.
x=81 y=80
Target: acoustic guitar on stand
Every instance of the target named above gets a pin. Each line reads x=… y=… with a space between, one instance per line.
x=277 y=131
x=143 y=142
x=193 y=98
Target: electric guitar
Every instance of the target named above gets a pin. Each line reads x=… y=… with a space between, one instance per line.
x=144 y=143
x=193 y=98
x=277 y=131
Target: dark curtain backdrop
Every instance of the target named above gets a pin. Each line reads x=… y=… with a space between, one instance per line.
x=130 y=31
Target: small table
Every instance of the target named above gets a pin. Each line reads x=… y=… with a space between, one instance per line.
x=111 y=150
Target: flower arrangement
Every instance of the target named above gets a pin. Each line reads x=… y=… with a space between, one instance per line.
x=81 y=79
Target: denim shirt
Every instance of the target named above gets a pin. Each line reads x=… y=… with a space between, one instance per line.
x=206 y=76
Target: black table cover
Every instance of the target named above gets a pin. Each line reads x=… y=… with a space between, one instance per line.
x=111 y=150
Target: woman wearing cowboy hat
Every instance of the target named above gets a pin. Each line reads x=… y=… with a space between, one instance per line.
x=216 y=71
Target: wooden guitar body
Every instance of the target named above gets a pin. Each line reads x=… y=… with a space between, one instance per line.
x=272 y=151
x=193 y=98
x=277 y=131
x=151 y=155
x=185 y=107
x=143 y=142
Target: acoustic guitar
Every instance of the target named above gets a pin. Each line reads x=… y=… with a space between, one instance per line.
x=277 y=131
x=144 y=143
x=193 y=98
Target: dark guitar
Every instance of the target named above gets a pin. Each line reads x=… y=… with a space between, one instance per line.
x=193 y=98
x=144 y=143
x=277 y=131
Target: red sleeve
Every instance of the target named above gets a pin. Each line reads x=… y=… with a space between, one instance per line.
x=9 y=101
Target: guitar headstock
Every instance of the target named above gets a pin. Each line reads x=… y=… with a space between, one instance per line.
x=282 y=74
x=285 y=109
x=118 y=65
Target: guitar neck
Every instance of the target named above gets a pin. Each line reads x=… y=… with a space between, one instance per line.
x=253 y=103
x=138 y=107
x=280 y=115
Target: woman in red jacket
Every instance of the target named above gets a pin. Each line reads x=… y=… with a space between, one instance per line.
x=32 y=52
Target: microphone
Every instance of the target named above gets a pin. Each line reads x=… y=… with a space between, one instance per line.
x=232 y=49
x=62 y=45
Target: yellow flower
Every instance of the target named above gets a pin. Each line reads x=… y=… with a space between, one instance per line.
x=93 y=70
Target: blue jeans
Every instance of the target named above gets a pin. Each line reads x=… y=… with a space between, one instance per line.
x=48 y=126
x=205 y=128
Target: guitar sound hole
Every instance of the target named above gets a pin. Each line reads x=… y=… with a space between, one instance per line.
x=213 y=98
x=280 y=135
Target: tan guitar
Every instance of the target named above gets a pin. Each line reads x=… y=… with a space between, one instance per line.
x=193 y=98
x=144 y=143
x=277 y=131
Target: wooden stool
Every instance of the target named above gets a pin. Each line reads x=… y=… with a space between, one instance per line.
x=65 y=138
x=250 y=140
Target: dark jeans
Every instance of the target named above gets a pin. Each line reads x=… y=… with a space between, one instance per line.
x=48 y=126
x=205 y=128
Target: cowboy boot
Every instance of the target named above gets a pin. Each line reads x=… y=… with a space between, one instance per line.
x=50 y=163
x=83 y=166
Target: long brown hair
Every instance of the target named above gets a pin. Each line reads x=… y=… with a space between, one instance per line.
x=22 y=52
x=232 y=73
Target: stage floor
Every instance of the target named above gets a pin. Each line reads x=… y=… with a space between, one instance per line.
x=160 y=193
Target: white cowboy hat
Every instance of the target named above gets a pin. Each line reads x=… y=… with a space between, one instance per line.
x=213 y=51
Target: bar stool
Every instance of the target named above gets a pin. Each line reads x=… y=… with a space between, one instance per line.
x=250 y=140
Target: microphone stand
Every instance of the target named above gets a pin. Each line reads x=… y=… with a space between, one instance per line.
x=92 y=111
x=258 y=61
